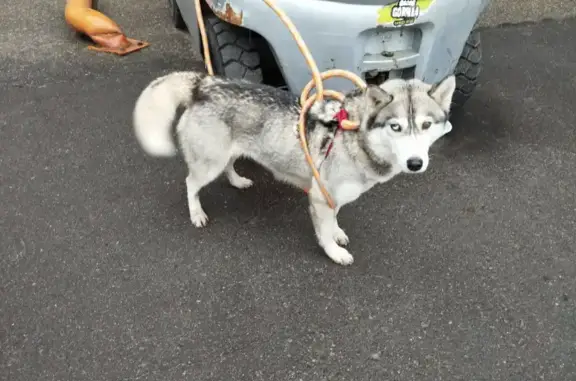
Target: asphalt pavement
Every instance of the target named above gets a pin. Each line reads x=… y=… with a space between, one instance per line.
x=465 y=273
x=511 y=12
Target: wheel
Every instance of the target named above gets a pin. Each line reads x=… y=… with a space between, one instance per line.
x=176 y=16
x=233 y=52
x=468 y=70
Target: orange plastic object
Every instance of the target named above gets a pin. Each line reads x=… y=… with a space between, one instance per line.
x=101 y=29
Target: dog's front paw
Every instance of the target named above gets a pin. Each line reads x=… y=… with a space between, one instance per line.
x=340 y=237
x=340 y=255
x=198 y=218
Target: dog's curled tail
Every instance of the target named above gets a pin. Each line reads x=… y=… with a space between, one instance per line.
x=156 y=108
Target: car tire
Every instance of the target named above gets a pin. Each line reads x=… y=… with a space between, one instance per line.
x=468 y=70
x=233 y=52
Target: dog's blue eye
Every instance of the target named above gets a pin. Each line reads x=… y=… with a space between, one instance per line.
x=395 y=127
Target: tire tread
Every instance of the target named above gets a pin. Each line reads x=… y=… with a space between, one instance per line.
x=239 y=55
x=468 y=70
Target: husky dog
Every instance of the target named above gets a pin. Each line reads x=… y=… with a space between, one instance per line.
x=224 y=119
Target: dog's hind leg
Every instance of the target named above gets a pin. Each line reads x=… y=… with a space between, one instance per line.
x=198 y=177
x=234 y=178
x=207 y=151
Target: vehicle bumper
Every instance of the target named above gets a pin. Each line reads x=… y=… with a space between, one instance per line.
x=360 y=38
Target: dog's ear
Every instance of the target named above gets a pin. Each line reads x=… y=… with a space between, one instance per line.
x=376 y=96
x=443 y=91
x=361 y=102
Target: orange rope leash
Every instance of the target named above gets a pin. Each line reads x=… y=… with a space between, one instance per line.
x=204 y=36
x=306 y=101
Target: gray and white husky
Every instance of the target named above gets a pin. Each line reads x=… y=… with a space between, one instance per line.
x=224 y=119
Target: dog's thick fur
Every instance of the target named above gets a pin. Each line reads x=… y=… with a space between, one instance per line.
x=225 y=119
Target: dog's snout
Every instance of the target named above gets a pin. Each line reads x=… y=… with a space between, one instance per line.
x=414 y=164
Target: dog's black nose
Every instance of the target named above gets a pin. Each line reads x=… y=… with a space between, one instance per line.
x=414 y=164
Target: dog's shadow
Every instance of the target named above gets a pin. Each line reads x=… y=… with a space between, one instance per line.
x=263 y=210
x=484 y=126
x=478 y=126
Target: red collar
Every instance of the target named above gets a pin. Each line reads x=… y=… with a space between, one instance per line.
x=339 y=116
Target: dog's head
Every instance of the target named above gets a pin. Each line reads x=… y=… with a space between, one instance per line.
x=401 y=119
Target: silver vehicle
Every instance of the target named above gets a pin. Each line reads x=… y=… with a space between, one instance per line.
x=376 y=39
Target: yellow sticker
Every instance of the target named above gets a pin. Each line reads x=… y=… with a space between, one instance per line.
x=403 y=12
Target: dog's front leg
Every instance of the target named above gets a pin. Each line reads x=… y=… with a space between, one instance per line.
x=339 y=235
x=326 y=227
